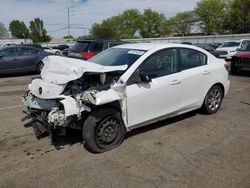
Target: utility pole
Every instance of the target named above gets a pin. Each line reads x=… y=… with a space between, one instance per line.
x=68 y=24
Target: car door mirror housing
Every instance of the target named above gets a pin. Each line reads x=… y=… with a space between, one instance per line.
x=145 y=78
x=1 y=56
x=237 y=49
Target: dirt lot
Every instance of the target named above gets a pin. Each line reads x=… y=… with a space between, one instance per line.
x=193 y=150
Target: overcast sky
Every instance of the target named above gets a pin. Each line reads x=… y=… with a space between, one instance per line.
x=83 y=13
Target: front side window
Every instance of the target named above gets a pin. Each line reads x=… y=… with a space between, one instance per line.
x=192 y=58
x=246 y=47
x=160 y=64
x=10 y=52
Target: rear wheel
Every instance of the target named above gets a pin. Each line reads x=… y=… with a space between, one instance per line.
x=103 y=130
x=213 y=100
x=57 y=53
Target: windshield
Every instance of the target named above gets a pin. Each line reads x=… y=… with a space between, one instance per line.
x=246 y=47
x=117 y=56
x=230 y=44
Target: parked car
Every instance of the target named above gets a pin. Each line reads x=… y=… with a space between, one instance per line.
x=123 y=88
x=208 y=48
x=21 y=59
x=51 y=50
x=6 y=44
x=229 y=48
x=215 y=45
x=85 y=49
x=66 y=51
x=60 y=47
x=241 y=60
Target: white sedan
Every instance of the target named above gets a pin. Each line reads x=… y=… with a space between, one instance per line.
x=123 y=88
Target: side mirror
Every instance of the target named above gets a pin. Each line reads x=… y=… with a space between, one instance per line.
x=145 y=78
x=1 y=56
x=237 y=49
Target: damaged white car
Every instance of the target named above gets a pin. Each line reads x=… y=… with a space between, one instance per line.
x=123 y=88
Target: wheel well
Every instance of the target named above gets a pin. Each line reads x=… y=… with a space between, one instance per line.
x=221 y=86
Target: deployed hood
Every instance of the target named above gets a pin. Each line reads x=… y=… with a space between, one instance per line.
x=61 y=70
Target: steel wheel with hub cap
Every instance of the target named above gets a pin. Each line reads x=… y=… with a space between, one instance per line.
x=103 y=130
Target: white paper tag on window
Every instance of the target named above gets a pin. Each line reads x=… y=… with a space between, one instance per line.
x=136 y=52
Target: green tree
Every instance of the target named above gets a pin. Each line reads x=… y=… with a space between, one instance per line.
x=182 y=23
x=18 y=29
x=127 y=24
x=212 y=15
x=37 y=31
x=151 y=23
x=3 y=31
x=104 y=30
x=238 y=16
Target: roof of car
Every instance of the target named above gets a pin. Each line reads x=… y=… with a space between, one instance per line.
x=149 y=46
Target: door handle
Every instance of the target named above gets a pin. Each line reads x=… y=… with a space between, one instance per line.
x=206 y=72
x=175 y=82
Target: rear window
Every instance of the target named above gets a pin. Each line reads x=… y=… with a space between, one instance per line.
x=80 y=46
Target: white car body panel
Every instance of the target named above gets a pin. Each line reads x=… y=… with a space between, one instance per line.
x=148 y=101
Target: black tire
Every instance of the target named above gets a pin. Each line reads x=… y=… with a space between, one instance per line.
x=39 y=67
x=57 y=53
x=103 y=130
x=213 y=99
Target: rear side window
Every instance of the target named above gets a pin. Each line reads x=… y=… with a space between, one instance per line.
x=192 y=58
x=80 y=46
x=29 y=51
x=98 y=47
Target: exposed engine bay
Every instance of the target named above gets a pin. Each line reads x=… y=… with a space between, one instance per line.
x=67 y=91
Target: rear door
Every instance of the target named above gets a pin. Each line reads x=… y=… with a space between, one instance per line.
x=195 y=78
x=150 y=100
x=28 y=58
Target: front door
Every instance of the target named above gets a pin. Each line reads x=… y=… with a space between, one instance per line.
x=148 y=100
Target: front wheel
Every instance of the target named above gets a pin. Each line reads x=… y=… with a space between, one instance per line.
x=40 y=67
x=103 y=130
x=213 y=100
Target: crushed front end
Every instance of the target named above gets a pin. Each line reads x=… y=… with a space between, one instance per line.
x=63 y=98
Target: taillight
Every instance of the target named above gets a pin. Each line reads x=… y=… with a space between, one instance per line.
x=226 y=65
x=87 y=55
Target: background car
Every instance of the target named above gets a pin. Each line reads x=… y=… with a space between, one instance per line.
x=241 y=60
x=85 y=49
x=21 y=59
x=60 y=47
x=208 y=48
x=229 y=48
x=52 y=51
x=6 y=44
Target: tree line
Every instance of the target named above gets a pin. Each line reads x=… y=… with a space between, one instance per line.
x=19 y=30
x=208 y=17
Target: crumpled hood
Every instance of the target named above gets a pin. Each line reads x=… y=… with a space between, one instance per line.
x=61 y=70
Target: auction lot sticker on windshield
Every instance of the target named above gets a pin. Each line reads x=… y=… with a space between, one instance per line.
x=136 y=52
